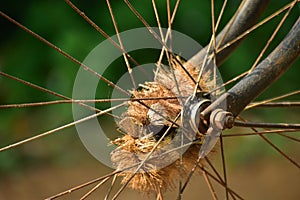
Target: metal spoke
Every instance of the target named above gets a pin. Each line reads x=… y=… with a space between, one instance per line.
x=59 y=128
x=83 y=185
x=210 y=186
x=274 y=146
x=260 y=132
x=64 y=53
x=267 y=125
x=220 y=182
x=94 y=188
x=224 y=167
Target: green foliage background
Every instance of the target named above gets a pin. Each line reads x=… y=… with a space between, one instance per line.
x=25 y=57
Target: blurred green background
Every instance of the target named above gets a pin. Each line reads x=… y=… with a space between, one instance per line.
x=24 y=56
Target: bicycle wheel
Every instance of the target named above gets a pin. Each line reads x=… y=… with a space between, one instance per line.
x=246 y=154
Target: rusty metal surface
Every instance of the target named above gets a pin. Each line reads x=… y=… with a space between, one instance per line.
x=267 y=72
x=249 y=14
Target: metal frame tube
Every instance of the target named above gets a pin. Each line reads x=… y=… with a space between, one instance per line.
x=267 y=72
x=246 y=17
